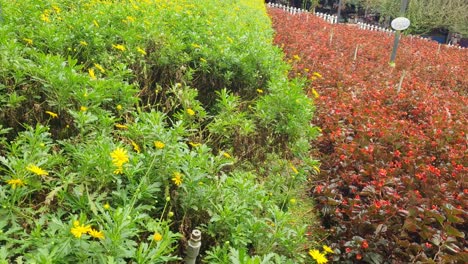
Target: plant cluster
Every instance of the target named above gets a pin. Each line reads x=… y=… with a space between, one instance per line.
x=124 y=125
x=393 y=180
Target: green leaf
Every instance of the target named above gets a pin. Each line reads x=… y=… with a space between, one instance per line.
x=410 y=225
x=452 y=231
x=439 y=217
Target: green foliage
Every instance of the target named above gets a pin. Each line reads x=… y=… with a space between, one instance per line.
x=426 y=15
x=126 y=124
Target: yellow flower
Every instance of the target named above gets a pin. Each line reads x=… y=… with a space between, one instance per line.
x=83 y=43
x=170 y=214
x=95 y=23
x=314 y=92
x=317 y=74
x=38 y=171
x=78 y=230
x=45 y=17
x=316 y=168
x=260 y=91
x=56 y=9
x=157 y=236
x=15 y=183
x=96 y=234
x=225 y=154
x=328 y=249
x=177 y=179
x=230 y=40
x=293 y=168
x=83 y=108
x=91 y=74
x=119 y=170
x=129 y=19
x=135 y=146
x=292 y=201
x=196 y=46
x=52 y=114
x=193 y=144
x=317 y=256
x=121 y=126
x=107 y=206
x=119 y=157
x=190 y=112
x=99 y=67
x=159 y=144
x=28 y=41
x=141 y=51
x=119 y=107
x=296 y=57
x=119 y=47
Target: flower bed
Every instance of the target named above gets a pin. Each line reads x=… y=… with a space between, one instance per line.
x=392 y=185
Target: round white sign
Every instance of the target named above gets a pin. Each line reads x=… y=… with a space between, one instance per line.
x=400 y=23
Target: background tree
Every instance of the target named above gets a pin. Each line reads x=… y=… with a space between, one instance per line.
x=425 y=15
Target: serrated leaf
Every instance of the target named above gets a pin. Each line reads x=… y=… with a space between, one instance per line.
x=50 y=197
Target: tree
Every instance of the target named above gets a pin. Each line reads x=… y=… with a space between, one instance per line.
x=426 y=15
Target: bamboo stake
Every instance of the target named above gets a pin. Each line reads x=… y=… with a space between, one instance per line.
x=401 y=81
x=356 y=51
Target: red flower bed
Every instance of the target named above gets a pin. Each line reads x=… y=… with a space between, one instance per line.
x=394 y=160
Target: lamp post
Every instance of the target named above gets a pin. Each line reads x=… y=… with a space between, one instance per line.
x=339 y=12
x=399 y=24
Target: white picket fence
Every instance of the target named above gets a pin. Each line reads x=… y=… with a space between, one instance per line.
x=374 y=28
x=294 y=10
x=332 y=19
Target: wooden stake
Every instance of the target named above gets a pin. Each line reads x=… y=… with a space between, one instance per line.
x=401 y=81
x=331 y=36
x=355 y=51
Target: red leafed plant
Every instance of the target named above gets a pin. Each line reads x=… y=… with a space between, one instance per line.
x=394 y=158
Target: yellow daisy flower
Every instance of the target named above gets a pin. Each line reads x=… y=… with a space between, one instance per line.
x=328 y=249
x=135 y=146
x=51 y=114
x=99 y=67
x=177 y=179
x=141 y=51
x=190 y=112
x=157 y=236
x=36 y=170
x=15 y=183
x=78 y=230
x=119 y=47
x=159 y=144
x=317 y=256
x=96 y=234
x=92 y=74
